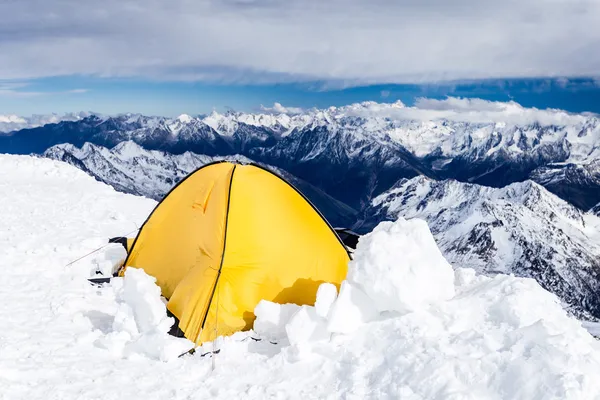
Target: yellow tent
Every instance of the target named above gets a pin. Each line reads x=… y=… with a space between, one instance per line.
x=228 y=236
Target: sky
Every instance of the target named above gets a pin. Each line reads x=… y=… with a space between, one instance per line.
x=191 y=56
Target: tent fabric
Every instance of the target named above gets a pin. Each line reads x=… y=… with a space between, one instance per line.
x=228 y=236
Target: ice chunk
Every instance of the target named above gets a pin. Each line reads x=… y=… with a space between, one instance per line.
x=400 y=267
x=141 y=324
x=326 y=295
x=306 y=326
x=351 y=309
x=143 y=296
x=271 y=319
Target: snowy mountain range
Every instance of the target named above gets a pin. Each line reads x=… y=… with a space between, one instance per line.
x=356 y=152
x=520 y=229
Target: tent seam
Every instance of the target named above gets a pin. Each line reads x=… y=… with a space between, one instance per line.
x=212 y=295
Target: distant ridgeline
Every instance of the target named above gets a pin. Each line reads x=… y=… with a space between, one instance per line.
x=356 y=152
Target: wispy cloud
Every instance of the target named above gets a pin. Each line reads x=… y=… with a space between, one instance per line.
x=19 y=89
x=349 y=41
x=279 y=109
x=468 y=110
x=457 y=109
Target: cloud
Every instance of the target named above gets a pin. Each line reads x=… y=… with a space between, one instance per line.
x=467 y=110
x=458 y=104
x=279 y=109
x=385 y=94
x=350 y=41
x=9 y=123
x=16 y=89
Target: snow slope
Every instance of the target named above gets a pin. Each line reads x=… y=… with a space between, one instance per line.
x=520 y=229
x=466 y=337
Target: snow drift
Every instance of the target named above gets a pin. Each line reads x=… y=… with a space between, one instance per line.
x=140 y=325
x=467 y=337
x=388 y=334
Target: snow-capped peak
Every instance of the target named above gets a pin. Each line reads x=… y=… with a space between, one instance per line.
x=225 y=125
x=184 y=118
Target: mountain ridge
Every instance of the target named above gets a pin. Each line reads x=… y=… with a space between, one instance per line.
x=356 y=152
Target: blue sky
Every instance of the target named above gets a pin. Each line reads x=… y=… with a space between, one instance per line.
x=112 y=96
x=170 y=57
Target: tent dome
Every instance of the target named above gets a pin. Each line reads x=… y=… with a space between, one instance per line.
x=228 y=236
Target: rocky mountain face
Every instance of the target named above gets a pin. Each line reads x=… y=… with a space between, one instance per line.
x=579 y=183
x=520 y=229
x=356 y=152
x=132 y=169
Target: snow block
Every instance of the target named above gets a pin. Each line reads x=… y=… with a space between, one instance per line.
x=271 y=319
x=306 y=326
x=143 y=296
x=351 y=309
x=326 y=295
x=400 y=267
x=141 y=324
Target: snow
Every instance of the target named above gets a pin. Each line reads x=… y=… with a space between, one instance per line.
x=592 y=327
x=326 y=295
x=271 y=318
x=418 y=276
x=108 y=261
x=498 y=337
x=306 y=326
x=184 y=118
x=352 y=309
x=141 y=324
